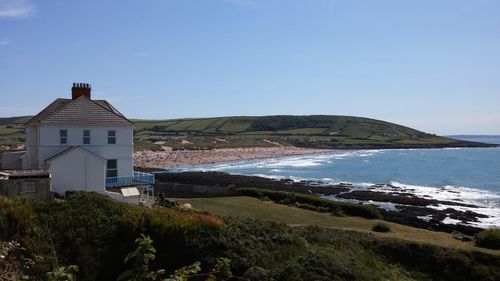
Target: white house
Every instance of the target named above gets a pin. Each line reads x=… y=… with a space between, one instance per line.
x=87 y=145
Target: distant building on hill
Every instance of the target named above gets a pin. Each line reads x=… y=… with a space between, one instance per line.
x=86 y=145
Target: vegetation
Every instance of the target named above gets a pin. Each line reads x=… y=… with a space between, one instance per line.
x=63 y=274
x=317 y=131
x=489 y=238
x=142 y=256
x=249 y=207
x=314 y=202
x=97 y=234
x=381 y=227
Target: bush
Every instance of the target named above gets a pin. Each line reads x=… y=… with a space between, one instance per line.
x=489 y=238
x=95 y=232
x=321 y=204
x=381 y=227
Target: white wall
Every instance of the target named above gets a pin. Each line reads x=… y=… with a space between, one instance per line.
x=122 y=151
x=78 y=171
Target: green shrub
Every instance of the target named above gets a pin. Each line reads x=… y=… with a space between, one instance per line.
x=381 y=227
x=321 y=204
x=489 y=238
x=16 y=217
x=95 y=232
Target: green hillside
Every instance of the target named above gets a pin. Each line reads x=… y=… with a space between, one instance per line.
x=11 y=131
x=315 y=131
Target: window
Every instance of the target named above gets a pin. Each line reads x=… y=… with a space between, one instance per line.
x=111 y=137
x=63 y=136
x=111 y=168
x=86 y=136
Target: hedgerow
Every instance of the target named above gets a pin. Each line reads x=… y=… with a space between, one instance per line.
x=339 y=208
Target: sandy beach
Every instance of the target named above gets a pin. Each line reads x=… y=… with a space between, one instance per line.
x=173 y=158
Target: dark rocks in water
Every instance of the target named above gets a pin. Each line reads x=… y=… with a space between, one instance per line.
x=402 y=198
x=408 y=215
x=239 y=181
x=398 y=198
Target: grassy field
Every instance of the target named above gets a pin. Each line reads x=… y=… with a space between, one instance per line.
x=317 y=131
x=255 y=208
x=11 y=131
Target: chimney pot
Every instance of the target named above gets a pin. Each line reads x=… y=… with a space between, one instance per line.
x=80 y=89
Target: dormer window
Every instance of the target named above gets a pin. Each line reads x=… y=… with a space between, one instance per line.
x=63 y=136
x=86 y=136
x=111 y=137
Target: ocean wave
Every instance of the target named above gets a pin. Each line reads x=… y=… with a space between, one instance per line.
x=450 y=193
x=302 y=161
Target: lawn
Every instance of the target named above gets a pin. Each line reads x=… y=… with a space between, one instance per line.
x=252 y=207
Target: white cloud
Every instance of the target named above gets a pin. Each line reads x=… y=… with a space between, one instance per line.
x=16 y=9
x=4 y=42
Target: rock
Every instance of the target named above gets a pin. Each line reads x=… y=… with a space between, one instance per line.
x=186 y=206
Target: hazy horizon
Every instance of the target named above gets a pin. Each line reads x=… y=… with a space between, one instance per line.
x=428 y=65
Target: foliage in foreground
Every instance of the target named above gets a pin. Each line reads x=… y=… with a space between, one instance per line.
x=96 y=234
x=314 y=202
x=145 y=253
x=489 y=238
x=63 y=273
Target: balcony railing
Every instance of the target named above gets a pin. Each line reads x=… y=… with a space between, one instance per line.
x=137 y=178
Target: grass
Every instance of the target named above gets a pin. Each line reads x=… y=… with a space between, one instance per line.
x=247 y=131
x=255 y=208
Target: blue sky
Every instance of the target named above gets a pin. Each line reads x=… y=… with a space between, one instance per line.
x=429 y=64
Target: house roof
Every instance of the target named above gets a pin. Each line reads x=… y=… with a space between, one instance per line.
x=71 y=149
x=82 y=111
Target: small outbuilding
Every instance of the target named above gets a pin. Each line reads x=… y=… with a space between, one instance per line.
x=32 y=184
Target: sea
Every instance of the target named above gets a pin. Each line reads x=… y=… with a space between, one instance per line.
x=464 y=175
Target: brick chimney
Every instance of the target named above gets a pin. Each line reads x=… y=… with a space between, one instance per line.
x=80 y=89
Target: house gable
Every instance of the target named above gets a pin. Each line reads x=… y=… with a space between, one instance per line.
x=72 y=149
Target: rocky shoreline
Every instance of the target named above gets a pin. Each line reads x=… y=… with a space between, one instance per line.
x=406 y=208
